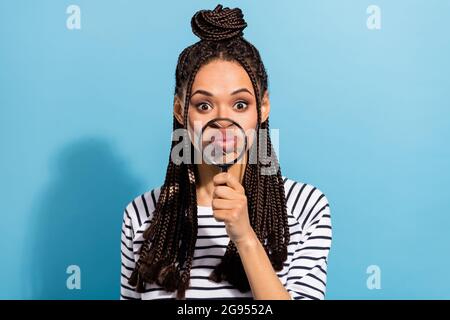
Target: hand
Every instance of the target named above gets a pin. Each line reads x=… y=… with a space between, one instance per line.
x=229 y=205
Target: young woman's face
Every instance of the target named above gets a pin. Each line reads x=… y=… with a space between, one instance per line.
x=223 y=89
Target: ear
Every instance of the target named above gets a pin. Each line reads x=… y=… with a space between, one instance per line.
x=178 y=109
x=265 y=107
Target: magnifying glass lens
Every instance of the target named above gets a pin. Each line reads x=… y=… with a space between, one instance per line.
x=223 y=142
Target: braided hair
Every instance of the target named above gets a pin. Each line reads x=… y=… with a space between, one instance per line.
x=166 y=254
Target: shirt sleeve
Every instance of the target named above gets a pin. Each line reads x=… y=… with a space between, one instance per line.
x=307 y=273
x=127 y=292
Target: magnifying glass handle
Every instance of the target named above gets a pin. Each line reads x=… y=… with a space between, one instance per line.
x=224 y=168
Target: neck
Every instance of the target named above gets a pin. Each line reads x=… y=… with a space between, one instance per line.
x=206 y=173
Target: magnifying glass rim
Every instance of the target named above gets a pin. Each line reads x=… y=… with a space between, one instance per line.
x=233 y=122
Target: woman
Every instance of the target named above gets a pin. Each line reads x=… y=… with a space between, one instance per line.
x=236 y=234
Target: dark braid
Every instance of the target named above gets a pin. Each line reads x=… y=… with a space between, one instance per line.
x=166 y=255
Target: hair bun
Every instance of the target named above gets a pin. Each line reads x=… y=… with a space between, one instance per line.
x=218 y=24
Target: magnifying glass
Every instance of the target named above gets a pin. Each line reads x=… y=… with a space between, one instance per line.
x=223 y=142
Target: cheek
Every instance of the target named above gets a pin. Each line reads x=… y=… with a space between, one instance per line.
x=196 y=121
x=249 y=118
x=249 y=122
x=192 y=127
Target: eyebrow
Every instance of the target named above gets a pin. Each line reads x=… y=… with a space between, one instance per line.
x=209 y=94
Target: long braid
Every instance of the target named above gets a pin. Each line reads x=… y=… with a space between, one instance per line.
x=166 y=256
x=192 y=209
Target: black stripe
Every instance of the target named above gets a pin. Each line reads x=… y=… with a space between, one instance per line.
x=207 y=257
x=129 y=238
x=290 y=191
x=321 y=209
x=125 y=256
x=313 y=248
x=320 y=268
x=129 y=298
x=295 y=297
x=300 y=267
x=143 y=223
x=320 y=237
x=307 y=200
x=293 y=267
x=308 y=296
x=314 y=223
x=128 y=215
x=306 y=268
x=301 y=277
x=213 y=237
x=130 y=249
x=145 y=206
x=212 y=246
x=305 y=203
x=153 y=199
x=317 y=278
x=125 y=224
x=137 y=213
x=309 y=286
x=296 y=200
x=212 y=288
x=209 y=226
x=308 y=258
x=296 y=232
x=294 y=224
x=127 y=267
x=127 y=287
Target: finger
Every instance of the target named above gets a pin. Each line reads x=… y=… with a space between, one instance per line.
x=224 y=192
x=221 y=215
x=220 y=204
x=228 y=179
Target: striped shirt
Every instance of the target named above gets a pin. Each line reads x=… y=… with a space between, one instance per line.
x=304 y=272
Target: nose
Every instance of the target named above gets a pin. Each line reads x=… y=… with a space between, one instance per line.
x=222 y=125
x=223 y=111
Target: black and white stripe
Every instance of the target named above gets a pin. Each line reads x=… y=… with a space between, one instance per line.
x=304 y=273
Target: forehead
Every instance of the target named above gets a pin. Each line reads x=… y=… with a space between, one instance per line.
x=220 y=75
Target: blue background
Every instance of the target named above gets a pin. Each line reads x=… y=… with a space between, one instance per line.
x=86 y=117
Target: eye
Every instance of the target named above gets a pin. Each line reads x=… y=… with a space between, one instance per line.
x=240 y=105
x=203 y=106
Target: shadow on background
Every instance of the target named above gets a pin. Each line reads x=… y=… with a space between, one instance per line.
x=77 y=222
